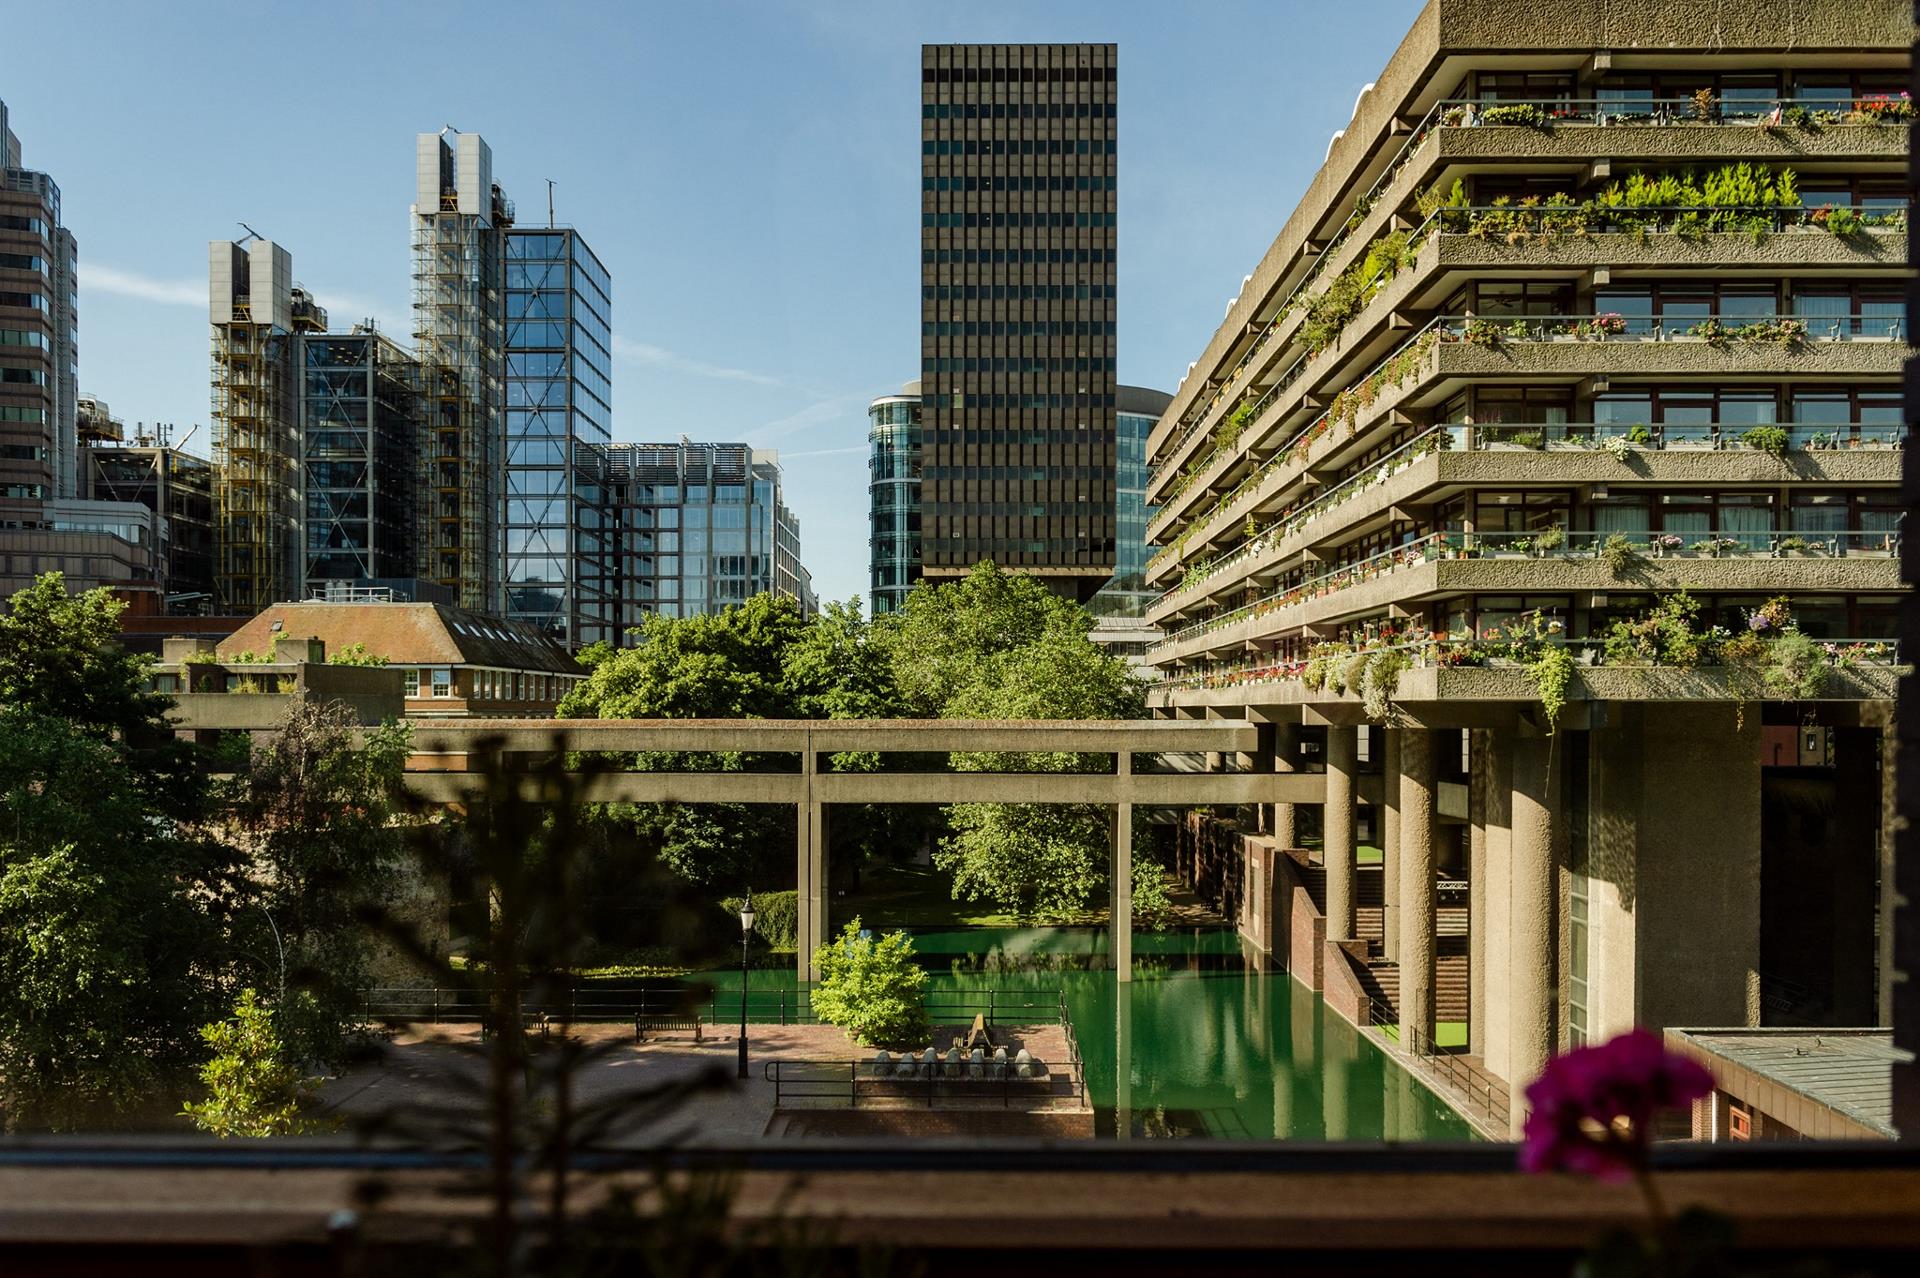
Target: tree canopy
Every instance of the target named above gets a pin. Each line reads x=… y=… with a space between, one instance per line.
x=992 y=645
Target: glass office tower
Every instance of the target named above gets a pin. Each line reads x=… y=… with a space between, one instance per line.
x=699 y=527
x=893 y=498
x=1018 y=198
x=559 y=396
x=360 y=422
x=1120 y=606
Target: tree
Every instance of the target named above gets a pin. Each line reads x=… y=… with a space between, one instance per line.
x=871 y=988
x=61 y=658
x=999 y=646
x=316 y=811
x=111 y=928
x=725 y=665
x=252 y=1088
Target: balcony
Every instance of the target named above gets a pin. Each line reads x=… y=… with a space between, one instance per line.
x=1565 y=348
x=1444 y=669
x=1558 y=233
x=1554 y=562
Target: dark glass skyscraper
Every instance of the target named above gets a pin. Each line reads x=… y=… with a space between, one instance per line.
x=1017 y=240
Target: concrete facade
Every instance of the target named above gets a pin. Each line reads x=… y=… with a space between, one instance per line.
x=1445 y=430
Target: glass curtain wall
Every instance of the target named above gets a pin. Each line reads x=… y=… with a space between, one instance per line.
x=559 y=397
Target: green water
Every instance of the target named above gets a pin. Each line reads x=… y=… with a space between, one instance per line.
x=1205 y=1043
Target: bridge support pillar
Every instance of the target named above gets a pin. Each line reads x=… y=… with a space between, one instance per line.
x=1418 y=889
x=1286 y=752
x=1389 y=834
x=1120 y=876
x=811 y=898
x=1530 y=925
x=1336 y=832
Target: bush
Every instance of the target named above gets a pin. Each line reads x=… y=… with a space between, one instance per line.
x=870 y=987
x=252 y=1090
x=1152 y=908
x=776 y=917
x=1768 y=439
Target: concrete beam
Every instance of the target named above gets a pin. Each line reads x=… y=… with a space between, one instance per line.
x=777 y=736
x=1120 y=876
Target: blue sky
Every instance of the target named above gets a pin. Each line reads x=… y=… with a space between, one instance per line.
x=747 y=169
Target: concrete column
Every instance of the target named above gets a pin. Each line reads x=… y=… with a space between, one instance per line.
x=1417 y=889
x=812 y=877
x=1390 y=843
x=1120 y=875
x=1286 y=753
x=1530 y=925
x=1123 y=1062
x=1477 y=772
x=1336 y=832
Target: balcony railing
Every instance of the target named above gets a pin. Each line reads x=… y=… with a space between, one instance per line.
x=1610 y=437
x=1558 y=544
x=1443 y=651
x=1713 y=330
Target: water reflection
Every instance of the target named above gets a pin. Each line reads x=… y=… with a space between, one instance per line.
x=1203 y=1041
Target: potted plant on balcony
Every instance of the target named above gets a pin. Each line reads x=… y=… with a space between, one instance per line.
x=1545 y=543
x=1608 y=324
x=1665 y=544
x=1785 y=546
x=1640 y=436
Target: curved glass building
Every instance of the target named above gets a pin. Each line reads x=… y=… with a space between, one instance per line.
x=893 y=492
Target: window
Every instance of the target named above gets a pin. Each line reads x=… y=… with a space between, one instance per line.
x=410 y=683
x=443 y=683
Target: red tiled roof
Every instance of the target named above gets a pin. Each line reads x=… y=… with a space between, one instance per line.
x=408 y=634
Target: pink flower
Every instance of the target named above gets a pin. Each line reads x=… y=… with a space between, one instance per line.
x=1592 y=1108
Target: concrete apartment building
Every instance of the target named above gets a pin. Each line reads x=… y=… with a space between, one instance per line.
x=1535 y=350
x=1017 y=239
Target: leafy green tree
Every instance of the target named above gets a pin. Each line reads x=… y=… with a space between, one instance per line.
x=871 y=988
x=317 y=813
x=252 y=1087
x=725 y=665
x=995 y=645
x=111 y=928
x=61 y=657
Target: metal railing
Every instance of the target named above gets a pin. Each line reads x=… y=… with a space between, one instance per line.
x=1423 y=550
x=1614 y=326
x=715 y=1005
x=1444 y=651
x=1482 y=1092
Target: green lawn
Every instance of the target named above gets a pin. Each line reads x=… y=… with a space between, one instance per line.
x=918 y=896
x=1365 y=853
x=1445 y=1033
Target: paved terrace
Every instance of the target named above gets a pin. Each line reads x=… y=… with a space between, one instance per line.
x=441 y=775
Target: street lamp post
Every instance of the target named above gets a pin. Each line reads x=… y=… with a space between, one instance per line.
x=746 y=933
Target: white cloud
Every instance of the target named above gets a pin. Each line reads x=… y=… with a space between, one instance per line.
x=660 y=357
x=835 y=408
x=824 y=452
x=109 y=279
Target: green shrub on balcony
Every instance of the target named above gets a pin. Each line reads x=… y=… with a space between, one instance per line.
x=1768 y=439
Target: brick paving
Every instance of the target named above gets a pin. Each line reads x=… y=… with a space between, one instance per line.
x=427 y=1065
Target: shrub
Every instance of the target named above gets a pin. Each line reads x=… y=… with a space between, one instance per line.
x=355 y=654
x=1152 y=907
x=1550 y=674
x=1524 y=114
x=1768 y=439
x=1379 y=681
x=870 y=987
x=1620 y=554
x=776 y=917
x=1796 y=666
x=252 y=1090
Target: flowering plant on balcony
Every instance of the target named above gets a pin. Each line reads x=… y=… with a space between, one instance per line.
x=1877 y=107
x=1608 y=324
